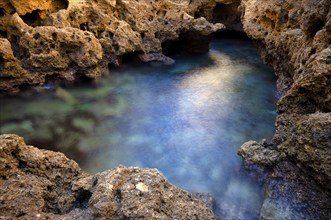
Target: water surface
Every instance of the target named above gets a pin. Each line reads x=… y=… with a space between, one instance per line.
x=188 y=120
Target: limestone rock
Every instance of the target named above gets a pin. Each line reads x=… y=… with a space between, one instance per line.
x=136 y=193
x=255 y=153
x=12 y=73
x=65 y=54
x=295 y=38
x=292 y=195
x=37 y=180
x=43 y=184
x=32 y=11
x=85 y=37
x=307 y=139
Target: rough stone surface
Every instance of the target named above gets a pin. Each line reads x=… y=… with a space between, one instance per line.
x=85 y=37
x=34 y=181
x=43 y=184
x=39 y=42
x=292 y=195
x=295 y=38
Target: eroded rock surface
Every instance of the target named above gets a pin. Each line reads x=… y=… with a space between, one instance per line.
x=65 y=40
x=61 y=40
x=295 y=38
x=40 y=184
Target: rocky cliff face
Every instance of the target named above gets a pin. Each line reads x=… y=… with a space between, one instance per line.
x=40 y=184
x=295 y=38
x=60 y=40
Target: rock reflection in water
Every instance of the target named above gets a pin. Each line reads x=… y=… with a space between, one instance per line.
x=187 y=120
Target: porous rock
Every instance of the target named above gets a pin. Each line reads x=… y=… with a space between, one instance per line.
x=295 y=38
x=40 y=184
x=62 y=41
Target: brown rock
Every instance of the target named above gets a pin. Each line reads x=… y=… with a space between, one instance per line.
x=43 y=184
x=11 y=72
x=255 y=153
x=295 y=38
x=34 y=181
x=292 y=195
x=87 y=36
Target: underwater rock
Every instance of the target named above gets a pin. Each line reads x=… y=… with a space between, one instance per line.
x=44 y=184
x=59 y=40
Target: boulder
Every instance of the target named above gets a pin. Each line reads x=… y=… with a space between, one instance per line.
x=44 y=184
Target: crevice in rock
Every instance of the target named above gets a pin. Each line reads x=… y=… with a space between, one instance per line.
x=2 y=12
x=2 y=61
x=81 y=78
x=61 y=4
x=22 y=164
x=82 y=199
x=231 y=34
x=118 y=200
x=188 y=42
x=20 y=214
x=19 y=52
x=84 y=26
x=229 y=15
x=3 y=34
x=315 y=26
x=25 y=87
x=199 y=13
x=32 y=19
x=130 y=58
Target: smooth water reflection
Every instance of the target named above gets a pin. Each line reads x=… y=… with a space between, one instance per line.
x=187 y=120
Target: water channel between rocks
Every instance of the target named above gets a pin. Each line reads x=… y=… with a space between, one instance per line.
x=188 y=120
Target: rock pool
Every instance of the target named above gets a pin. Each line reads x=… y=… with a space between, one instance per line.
x=187 y=120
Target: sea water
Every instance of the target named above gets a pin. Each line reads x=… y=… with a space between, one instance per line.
x=187 y=120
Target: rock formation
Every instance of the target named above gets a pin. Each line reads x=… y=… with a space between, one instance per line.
x=62 y=40
x=40 y=184
x=295 y=38
x=57 y=40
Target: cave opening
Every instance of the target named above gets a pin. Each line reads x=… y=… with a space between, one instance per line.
x=2 y=60
x=32 y=19
x=2 y=12
x=61 y=4
x=229 y=15
x=315 y=26
x=19 y=52
x=189 y=42
x=132 y=58
x=199 y=13
x=3 y=34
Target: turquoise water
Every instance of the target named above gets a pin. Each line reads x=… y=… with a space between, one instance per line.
x=188 y=120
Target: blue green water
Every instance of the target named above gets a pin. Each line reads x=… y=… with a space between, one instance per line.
x=188 y=120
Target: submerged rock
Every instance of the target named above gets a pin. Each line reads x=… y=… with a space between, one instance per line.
x=44 y=184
